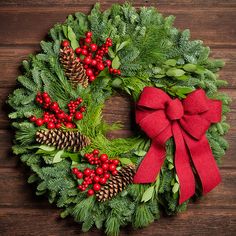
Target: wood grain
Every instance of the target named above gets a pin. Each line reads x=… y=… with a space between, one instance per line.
x=23 y=24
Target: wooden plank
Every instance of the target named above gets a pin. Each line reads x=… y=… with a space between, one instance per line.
x=74 y=3
x=196 y=221
x=33 y=24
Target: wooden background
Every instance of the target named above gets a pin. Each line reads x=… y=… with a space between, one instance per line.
x=23 y=24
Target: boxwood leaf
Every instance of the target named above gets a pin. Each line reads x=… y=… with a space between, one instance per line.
x=175 y=72
x=190 y=67
x=57 y=158
x=125 y=161
x=116 y=62
x=72 y=38
x=171 y=62
x=148 y=194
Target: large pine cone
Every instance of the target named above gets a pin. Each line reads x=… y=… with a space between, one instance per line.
x=116 y=184
x=69 y=140
x=73 y=68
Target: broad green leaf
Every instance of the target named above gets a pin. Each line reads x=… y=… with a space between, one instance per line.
x=190 y=67
x=182 y=77
x=169 y=158
x=57 y=158
x=175 y=188
x=170 y=166
x=156 y=70
x=125 y=161
x=159 y=76
x=140 y=153
x=175 y=72
x=47 y=148
x=72 y=38
x=159 y=85
x=148 y=194
x=116 y=62
x=111 y=53
x=122 y=45
x=116 y=83
x=157 y=184
x=171 y=62
x=65 y=31
x=72 y=156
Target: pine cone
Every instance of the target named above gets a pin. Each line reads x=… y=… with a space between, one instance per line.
x=73 y=68
x=116 y=184
x=69 y=140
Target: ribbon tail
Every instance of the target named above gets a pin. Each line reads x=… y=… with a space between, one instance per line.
x=204 y=162
x=183 y=166
x=150 y=165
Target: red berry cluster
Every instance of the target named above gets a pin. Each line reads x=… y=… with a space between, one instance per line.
x=104 y=169
x=53 y=116
x=93 y=56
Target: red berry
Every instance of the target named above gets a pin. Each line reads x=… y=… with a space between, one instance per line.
x=78 y=50
x=116 y=162
x=103 y=157
x=89 y=34
x=90 y=192
x=51 y=125
x=114 y=172
x=94 y=62
x=96 y=187
x=89 y=72
x=78 y=115
x=87 y=60
x=108 y=62
x=54 y=106
x=58 y=126
x=103 y=180
x=99 y=171
x=39 y=122
x=33 y=118
x=100 y=66
x=69 y=125
x=79 y=175
x=82 y=109
x=47 y=100
x=95 y=151
x=80 y=100
x=112 y=167
x=105 y=166
x=65 y=43
x=96 y=179
x=88 y=40
x=84 y=52
x=75 y=170
x=106 y=175
x=87 y=172
x=93 y=47
x=92 y=78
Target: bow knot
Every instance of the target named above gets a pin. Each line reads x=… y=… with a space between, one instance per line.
x=174 y=109
x=186 y=121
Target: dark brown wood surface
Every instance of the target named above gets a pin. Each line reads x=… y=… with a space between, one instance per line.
x=23 y=24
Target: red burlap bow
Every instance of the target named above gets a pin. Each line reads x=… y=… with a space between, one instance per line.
x=161 y=117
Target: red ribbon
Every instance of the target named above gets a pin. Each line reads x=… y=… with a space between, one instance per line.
x=161 y=117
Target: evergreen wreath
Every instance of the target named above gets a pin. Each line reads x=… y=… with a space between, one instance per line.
x=60 y=133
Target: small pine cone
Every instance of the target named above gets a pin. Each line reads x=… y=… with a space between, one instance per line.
x=68 y=140
x=116 y=184
x=73 y=68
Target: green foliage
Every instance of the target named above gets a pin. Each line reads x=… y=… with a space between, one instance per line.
x=149 y=51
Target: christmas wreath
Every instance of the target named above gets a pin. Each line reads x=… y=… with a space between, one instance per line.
x=61 y=136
